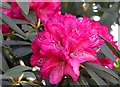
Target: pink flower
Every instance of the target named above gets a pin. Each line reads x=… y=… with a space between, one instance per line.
x=45 y=10
x=60 y=49
x=94 y=30
x=106 y=62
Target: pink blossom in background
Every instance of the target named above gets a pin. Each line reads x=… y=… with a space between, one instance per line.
x=45 y=10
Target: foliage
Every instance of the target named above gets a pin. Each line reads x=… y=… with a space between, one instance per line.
x=16 y=47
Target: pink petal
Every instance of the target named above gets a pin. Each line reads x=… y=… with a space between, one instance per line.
x=56 y=75
x=68 y=70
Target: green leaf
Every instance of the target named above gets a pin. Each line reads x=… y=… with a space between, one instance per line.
x=105 y=49
x=116 y=52
x=82 y=81
x=14 y=42
x=4 y=5
x=31 y=17
x=29 y=75
x=31 y=36
x=1 y=37
x=4 y=66
x=22 y=51
x=104 y=75
x=96 y=66
x=1 y=22
x=27 y=28
x=71 y=82
x=15 y=71
x=107 y=76
x=20 y=21
x=12 y=24
x=98 y=79
x=5 y=83
x=24 y=6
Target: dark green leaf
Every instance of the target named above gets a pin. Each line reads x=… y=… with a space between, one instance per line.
x=82 y=81
x=96 y=66
x=116 y=52
x=14 y=42
x=31 y=17
x=107 y=76
x=5 y=83
x=32 y=36
x=1 y=22
x=1 y=37
x=15 y=71
x=20 y=21
x=4 y=66
x=29 y=75
x=104 y=75
x=12 y=24
x=4 y=5
x=24 y=6
x=27 y=28
x=22 y=51
x=71 y=82
x=105 y=49
x=98 y=79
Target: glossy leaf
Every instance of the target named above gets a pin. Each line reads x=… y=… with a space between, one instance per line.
x=27 y=28
x=115 y=51
x=104 y=75
x=22 y=51
x=105 y=49
x=29 y=75
x=24 y=6
x=98 y=79
x=15 y=71
x=82 y=81
x=20 y=21
x=96 y=66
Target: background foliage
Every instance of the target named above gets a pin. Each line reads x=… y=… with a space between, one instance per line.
x=16 y=47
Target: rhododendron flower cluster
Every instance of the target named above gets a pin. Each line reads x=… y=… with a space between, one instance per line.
x=65 y=44
x=43 y=10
